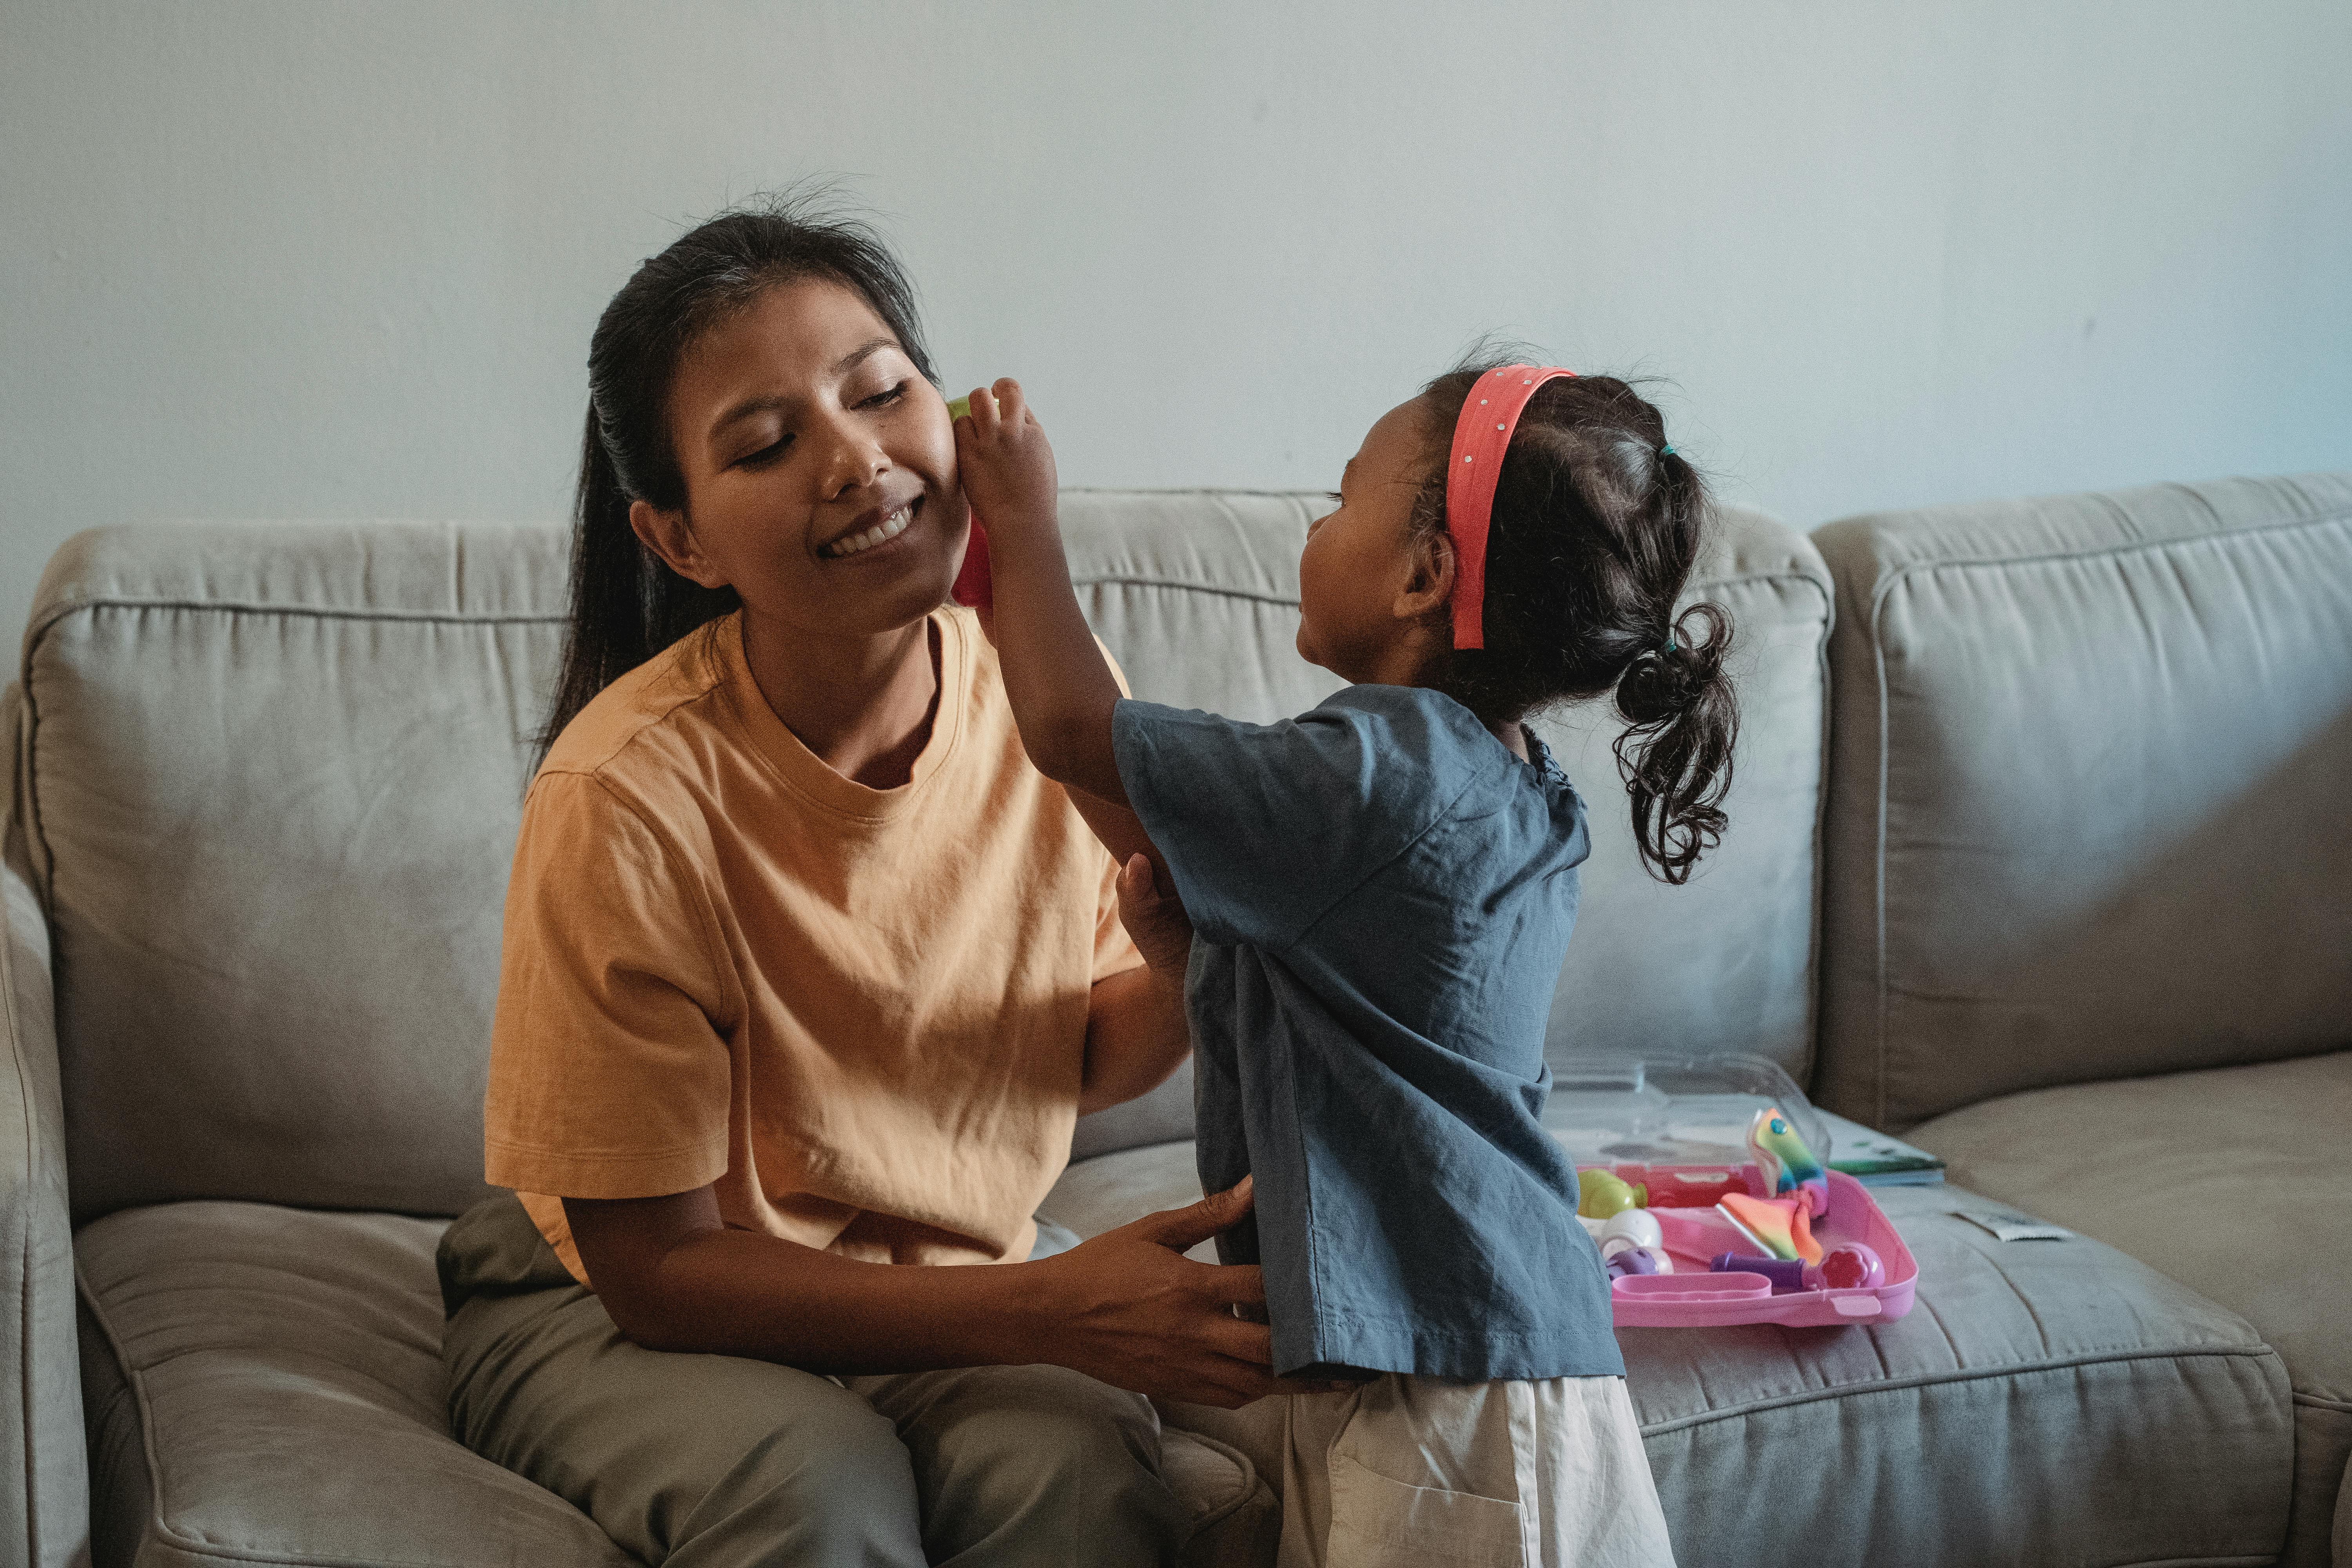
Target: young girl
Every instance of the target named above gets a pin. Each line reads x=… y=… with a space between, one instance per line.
x=1382 y=891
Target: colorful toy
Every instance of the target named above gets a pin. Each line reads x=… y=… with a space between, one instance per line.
x=1639 y=1226
x=1848 y=1266
x=974 y=588
x=1787 y=1165
x=1599 y=1194
x=1781 y=1228
x=1630 y=1259
x=1692 y=1189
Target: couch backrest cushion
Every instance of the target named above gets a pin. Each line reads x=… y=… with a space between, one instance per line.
x=2088 y=804
x=274 y=772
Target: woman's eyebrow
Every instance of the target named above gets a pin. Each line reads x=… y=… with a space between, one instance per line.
x=850 y=361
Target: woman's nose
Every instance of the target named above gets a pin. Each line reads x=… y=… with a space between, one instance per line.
x=854 y=459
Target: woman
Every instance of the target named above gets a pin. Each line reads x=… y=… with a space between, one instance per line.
x=806 y=976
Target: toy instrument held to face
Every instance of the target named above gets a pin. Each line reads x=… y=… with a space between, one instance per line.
x=973 y=588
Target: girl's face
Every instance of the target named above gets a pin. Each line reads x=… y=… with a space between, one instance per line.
x=1364 y=584
x=820 y=467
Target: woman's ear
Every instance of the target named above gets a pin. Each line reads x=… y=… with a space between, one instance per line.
x=1429 y=576
x=669 y=535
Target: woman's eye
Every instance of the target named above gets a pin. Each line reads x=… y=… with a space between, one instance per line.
x=884 y=398
x=765 y=455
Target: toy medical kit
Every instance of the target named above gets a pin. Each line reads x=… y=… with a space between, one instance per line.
x=1675 y=1130
x=974 y=588
x=1773 y=1140
x=1786 y=1273
x=1481 y=435
x=1599 y=1194
x=1629 y=1261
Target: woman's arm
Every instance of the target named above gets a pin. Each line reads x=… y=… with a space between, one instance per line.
x=1127 y=1308
x=1135 y=1029
x=1062 y=692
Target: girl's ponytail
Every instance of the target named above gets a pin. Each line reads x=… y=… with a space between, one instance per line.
x=1675 y=752
x=1596 y=523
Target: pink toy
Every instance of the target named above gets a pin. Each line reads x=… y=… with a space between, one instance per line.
x=1854 y=1236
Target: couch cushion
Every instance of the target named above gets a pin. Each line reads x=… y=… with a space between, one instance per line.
x=2232 y=1182
x=266 y=1384
x=2087 y=794
x=2043 y=1402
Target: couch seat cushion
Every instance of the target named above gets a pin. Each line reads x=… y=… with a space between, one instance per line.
x=2043 y=1402
x=2233 y=1181
x=265 y=1384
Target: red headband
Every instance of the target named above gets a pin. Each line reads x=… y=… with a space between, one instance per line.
x=1481 y=436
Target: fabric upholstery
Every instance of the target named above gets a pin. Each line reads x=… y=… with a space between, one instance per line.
x=2043 y=1403
x=2231 y=1181
x=45 y=1498
x=2087 y=790
x=267 y=1383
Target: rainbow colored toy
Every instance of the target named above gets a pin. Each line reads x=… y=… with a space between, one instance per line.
x=1781 y=1228
x=1787 y=1165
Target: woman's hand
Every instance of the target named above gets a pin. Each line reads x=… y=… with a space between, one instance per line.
x=1006 y=460
x=1155 y=921
x=1131 y=1309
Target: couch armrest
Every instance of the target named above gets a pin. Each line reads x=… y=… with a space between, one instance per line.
x=44 y=1465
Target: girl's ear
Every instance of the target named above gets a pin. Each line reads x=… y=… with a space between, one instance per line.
x=1429 y=578
x=669 y=535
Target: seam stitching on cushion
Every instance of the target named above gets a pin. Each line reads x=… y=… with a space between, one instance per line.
x=2126 y=547
x=1935 y=1380
x=2325 y=1401
x=309 y=612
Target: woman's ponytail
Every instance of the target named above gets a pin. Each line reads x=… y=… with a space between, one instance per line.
x=627 y=606
x=1675 y=754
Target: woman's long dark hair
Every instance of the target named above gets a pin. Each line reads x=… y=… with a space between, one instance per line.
x=1595 y=528
x=626 y=604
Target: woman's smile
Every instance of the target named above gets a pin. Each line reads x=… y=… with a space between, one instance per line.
x=865 y=535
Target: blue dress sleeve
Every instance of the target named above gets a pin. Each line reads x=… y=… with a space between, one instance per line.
x=1265 y=826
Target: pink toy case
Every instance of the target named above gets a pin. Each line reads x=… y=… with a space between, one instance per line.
x=1692 y=1297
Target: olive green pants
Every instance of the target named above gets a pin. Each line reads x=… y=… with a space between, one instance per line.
x=712 y=1461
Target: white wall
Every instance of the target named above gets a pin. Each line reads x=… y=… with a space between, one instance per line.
x=320 y=258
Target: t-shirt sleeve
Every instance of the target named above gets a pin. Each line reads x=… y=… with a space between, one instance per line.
x=1265 y=826
x=610 y=1075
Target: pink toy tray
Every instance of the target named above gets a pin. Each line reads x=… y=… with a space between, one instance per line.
x=1692 y=1297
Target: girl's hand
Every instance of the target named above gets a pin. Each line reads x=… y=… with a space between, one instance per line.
x=1006 y=462
x=1131 y=1309
x=1163 y=932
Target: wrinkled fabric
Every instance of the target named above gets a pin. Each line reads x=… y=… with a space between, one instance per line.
x=1381 y=895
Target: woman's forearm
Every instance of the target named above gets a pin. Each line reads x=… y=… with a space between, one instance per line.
x=674 y=1277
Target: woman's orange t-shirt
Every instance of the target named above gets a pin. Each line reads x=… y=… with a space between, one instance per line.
x=859 y=1014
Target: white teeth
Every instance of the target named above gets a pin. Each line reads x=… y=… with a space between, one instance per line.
x=881 y=532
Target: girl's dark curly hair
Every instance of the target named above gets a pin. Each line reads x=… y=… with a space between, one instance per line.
x=1595 y=527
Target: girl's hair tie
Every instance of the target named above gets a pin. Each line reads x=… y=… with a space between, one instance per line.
x=1667 y=450
x=1668 y=646
x=1481 y=435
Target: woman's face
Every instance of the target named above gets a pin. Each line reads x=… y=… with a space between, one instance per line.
x=820 y=467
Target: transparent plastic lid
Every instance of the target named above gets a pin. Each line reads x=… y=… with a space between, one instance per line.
x=1673 y=1111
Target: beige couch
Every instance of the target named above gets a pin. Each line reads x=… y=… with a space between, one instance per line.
x=2079 y=820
